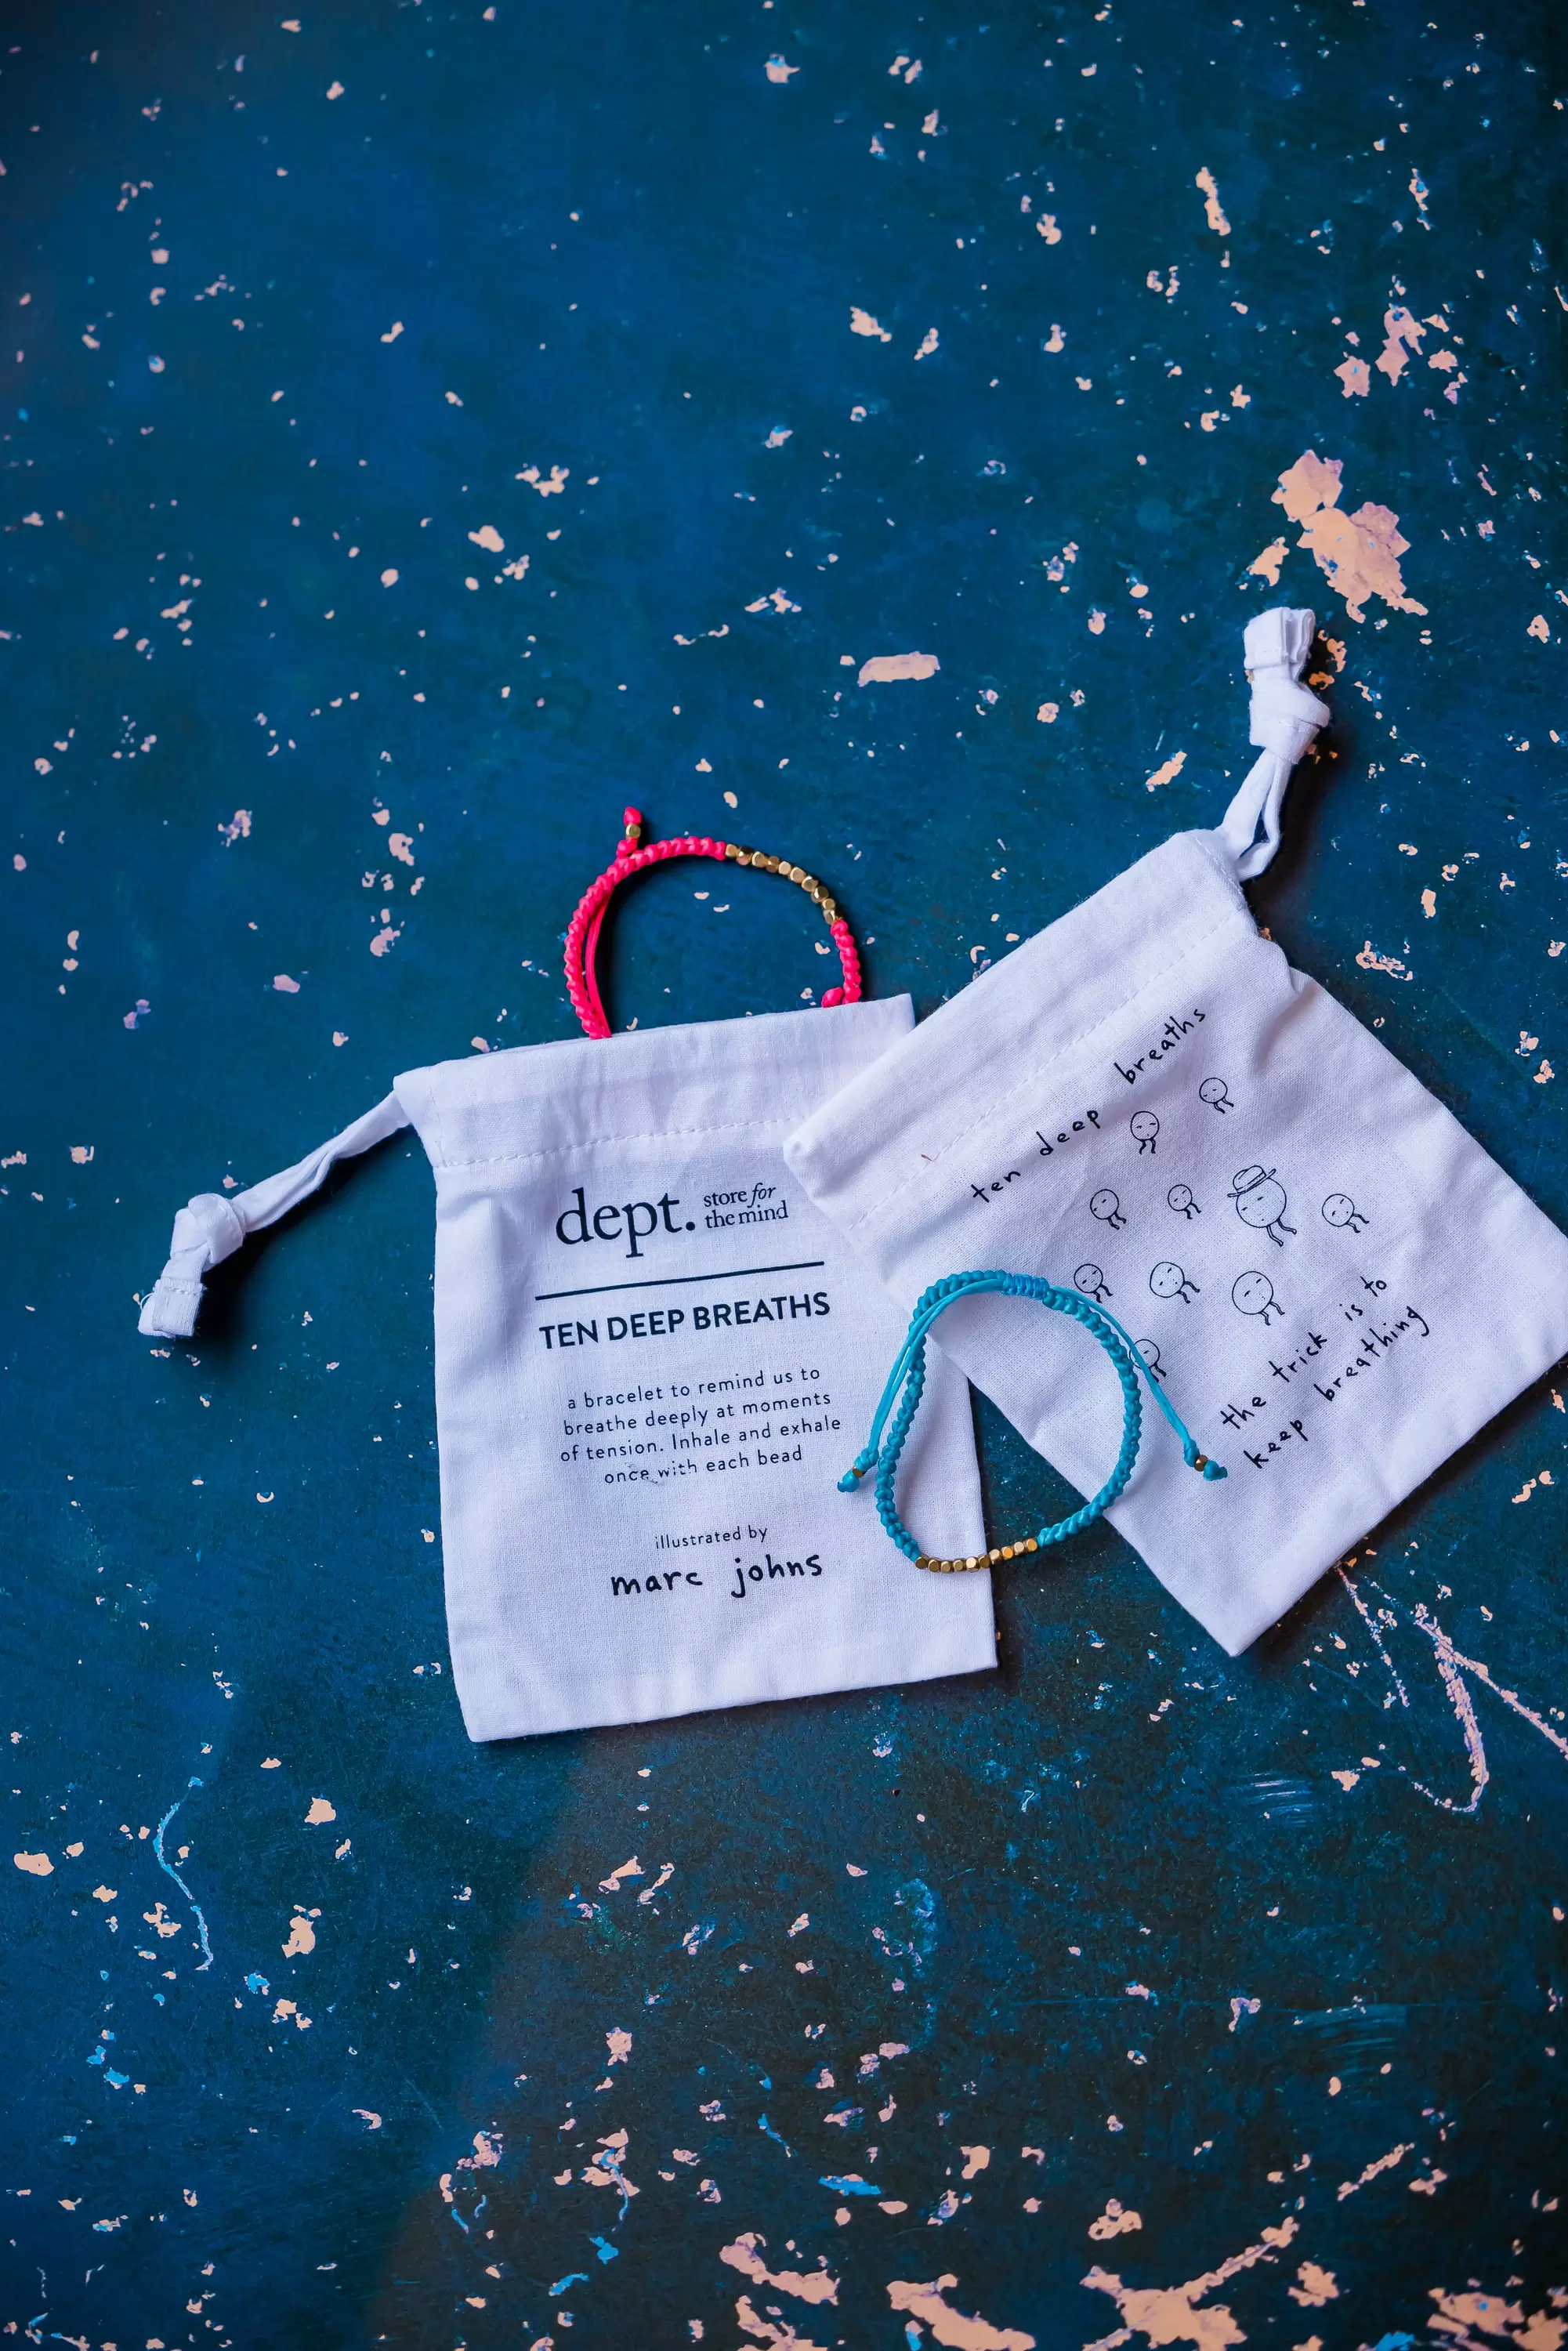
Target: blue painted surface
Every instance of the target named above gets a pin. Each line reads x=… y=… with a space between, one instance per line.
x=1111 y=1907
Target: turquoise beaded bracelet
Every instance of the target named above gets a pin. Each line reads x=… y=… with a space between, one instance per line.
x=906 y=1382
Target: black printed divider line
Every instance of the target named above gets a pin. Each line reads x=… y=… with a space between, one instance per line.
x=678 y=1280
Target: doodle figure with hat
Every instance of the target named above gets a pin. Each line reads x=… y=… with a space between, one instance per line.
x=1261 y=1202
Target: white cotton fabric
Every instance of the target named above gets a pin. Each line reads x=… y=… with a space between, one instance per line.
x=640 y=1515
x=1337 y=1285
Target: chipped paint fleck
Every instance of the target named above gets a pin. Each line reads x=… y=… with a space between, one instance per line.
x=1211 y=207
x=807 y=2286
x=1360 y=552
x=1169 y=2314
x=949 y=2326
x=886 y=669
x=1117 y=2220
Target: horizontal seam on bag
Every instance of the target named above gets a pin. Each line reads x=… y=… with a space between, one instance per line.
x=602 y=1142
x=1037 y=1069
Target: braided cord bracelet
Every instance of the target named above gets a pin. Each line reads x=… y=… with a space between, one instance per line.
x=582 y=932
x=906 y=1381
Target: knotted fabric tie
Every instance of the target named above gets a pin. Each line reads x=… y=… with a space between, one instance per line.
x=210 y=1228
x=1285 y=718
x=901 y=1400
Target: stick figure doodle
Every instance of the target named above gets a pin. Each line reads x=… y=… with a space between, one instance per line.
x=1340 y=1210
x=1145 y=1127
x=1091 y=1281
x=1108 y=1208
x=1179 y=1197
x=1261 y=1202
x=1168 y=1280
x=1151 y=1355
x=1213 y=1091
x=1253 y=1293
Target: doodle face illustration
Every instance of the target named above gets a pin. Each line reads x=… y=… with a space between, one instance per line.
x=1145 y=1127
x=1179 y=1197
x=1151 y=1355
x=1108 y=1208
x=1253 y=1293
x=1091 y=1281
x=1261 y=1202
x=1168 y=1280
x=1214 y=1092
x=1340 y=1210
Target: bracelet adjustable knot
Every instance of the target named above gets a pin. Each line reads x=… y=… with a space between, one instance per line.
x=906 y=1381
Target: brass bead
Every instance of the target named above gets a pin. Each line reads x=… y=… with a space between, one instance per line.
x=731 y=850
x=1200 y=1461
x=995 y=1558
x=1032 y=1544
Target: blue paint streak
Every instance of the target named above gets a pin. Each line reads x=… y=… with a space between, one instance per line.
x=764 y=2124
x=578 y=2277
x=607 y=2252
x=169 y=1871
x=848 y=2186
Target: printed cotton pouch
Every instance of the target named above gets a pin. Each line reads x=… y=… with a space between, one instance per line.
x=650 y=1350
x=1146 y=1100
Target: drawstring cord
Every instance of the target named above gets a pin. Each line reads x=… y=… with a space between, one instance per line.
x=906 y=1381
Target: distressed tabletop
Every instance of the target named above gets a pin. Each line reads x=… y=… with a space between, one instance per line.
x=519 y=412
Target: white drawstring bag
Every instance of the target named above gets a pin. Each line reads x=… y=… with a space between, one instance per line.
x=650 y=1351
x=1147 y=1101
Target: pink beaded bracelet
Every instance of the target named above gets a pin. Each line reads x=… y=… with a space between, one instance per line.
x=582 y=934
